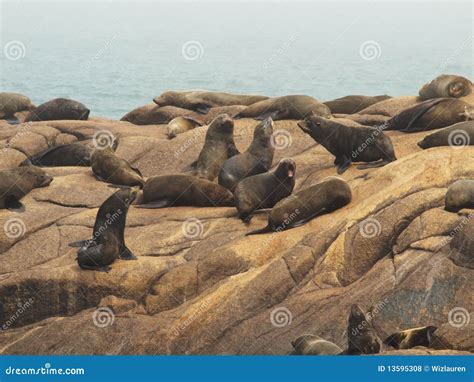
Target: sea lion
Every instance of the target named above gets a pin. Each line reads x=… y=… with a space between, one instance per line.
x=257 y=159
x=462 y=244
x=361 y=335
x=460 y=195
x=183 y=190
x=265 y=190
x=109 y=168
x=459 y=134
x=17 y=182
x=430 y=115
x=202 y=101
x=11 y=103
x=287 y=107
x=180 y=125
x=72 y=154
x=390 y=107
x=350 y=144
x=218 y=147
x=407 y=339
x=326 y=196
x=446 y=85
x=353 y=103
x=59 y=109
x=309 y=344
x=153 y=115
x=108 y=242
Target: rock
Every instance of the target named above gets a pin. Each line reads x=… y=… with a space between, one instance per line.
x=117 y=304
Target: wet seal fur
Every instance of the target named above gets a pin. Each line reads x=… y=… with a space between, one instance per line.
x=108 y=242
x=17 y=182
x=407 y=339
x=352 y=104
x=326 y=196
x=265 y=190
x=257 y=159
x=361 y=335
x=72 y=154
x=460 y=195
x=350 y=144
x=180 y=125
x=309 y=344
x=59 y=109
x=183 y=190
x=457 y=135
x=446 y=85
x=11 y=103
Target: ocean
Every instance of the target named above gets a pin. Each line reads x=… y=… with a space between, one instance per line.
x=114 y=57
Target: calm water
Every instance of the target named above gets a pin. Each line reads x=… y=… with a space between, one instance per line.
x=116 y=56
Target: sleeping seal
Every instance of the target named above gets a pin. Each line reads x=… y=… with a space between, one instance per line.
x=72 y=154
x=11 y=103
x=407 y=339
x=59 y=109
x=458 y=135
x=446 y=85
x=180 y=125
x=309 y=344
x=460 y=195
x=353 y=103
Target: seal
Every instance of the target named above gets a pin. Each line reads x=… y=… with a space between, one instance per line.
x=202 y=101
x=326 y=196
x=286 y=107
x=446 y=85
x=352 y=104
x=180 y=125
x=361 y=335
x=430 y=115
x=350 y=144
x=108 y=242
x=407 y=339
x=309 y=344
x=265 y=190
x=218 y=146
x=71 y=154
x=460 y=195
x=59 y=109
x=11 y=103
x=459 y=134
x=257 y=159
x=17 y=182
x=462 y=244
x=183 y=190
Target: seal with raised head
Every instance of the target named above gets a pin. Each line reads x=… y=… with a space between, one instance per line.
x=460 y=195
x=108 y=242
x=353 y=103
x=11 y=103
x=310 y=344
x=17 y=182
x=326 y=196
x=350 y=144
x=256 y=159
x=180 y=125
x=59 y=109
x=361 y=335
x=183 y=190
x=286 y=107
x=446 y=85
x=71 y=154
x=407 y=339
x=459 y=134
x=265 y=190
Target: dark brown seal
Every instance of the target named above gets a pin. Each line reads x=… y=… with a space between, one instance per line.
x=460 y=195
x=326 y=196
x=287 y=107
x=59 y=109
x=11 y=103
x=407 y=339
x=184 y=190
x=353 y=103
x=446 y=85
x=72 y=154
x=361 y=335
x=350 y=144
x=309 y=344
x=459 y=134
x=257 y=159
x=265 y=190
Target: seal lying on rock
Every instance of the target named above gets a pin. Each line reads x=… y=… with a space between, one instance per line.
x=407 y=339
x=326 y=196
x=459 y=134
x=257 y=159
x=309 y=344
x=72 y=154
x=17 y=182
x=183 y=190
x=446 y=85
x=353 y=103
x=107 y=243
x=361 y=335
x=265 y=190
x=350 y=144
x=180 y=125
x=59 y=109
x=460 y=195
x=11 y=103
x=287 y=107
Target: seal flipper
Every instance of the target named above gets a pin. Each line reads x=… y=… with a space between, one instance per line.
x=275 y=115
x=13 y=204
x=97 y=268
x=373 y=165
x=342 y=165
x=126 y=254
x=261 y=230
x=81 y=243
x=232 y=150
x=157 y=204
x=299 y=223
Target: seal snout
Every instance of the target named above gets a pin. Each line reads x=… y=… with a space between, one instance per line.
x=303 y=126
x=46 y=181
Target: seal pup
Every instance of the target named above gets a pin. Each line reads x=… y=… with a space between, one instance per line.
x=183 y=190
x=59 y=109
x=11 y=103
x=108 y=242
x=17 y=182
x=446 y=85
x=265 y=190
x=326 y=196
x=180 y=125
x=218 y=146
x=72 y=154
x=350 y=144
x=352 y=104
x=287 y=107
x=457 y=135
x=407 y=339
x=257 y=159
x=309 y=344
x=361 y=335
x=460 y=195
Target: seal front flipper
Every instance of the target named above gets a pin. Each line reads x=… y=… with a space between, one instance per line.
x=275 y=115
x=157 y=204
x=126 y=254
x=95 y=268
x=81 y=243
x=300 y=222
x=261 y=230
x=342 y=164
x=373 y=165
x=232 y=150
x=13 y=204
